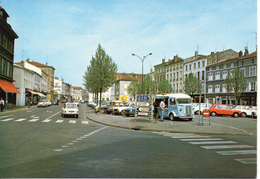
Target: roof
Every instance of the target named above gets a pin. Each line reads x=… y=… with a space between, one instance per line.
x=75 y=87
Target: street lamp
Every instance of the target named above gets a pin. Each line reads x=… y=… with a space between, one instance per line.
x=142 y=59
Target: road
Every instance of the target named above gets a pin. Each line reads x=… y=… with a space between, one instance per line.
x=39 y=143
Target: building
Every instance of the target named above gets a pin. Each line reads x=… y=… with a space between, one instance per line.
x=216 y=75
x=7 y=38
x=76 y=93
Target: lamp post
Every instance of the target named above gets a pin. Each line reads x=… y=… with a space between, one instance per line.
x=142 y=59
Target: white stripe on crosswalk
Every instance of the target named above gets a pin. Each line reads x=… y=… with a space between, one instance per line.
x=46 y=120
x=226 y=146
x=206 y=139
x=213 y=142
x=59 y=121
x=72 y=121
x=8 y=119
x=237 y=152
x=22 y=119
x=33 y=120
x=84 y=122
x=247 y=160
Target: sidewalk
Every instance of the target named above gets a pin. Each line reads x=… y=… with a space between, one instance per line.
x=16 y=109
x=143 y=123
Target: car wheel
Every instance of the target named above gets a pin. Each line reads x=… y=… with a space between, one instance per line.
x=171 y=117
x=213 y=114
x=243 y=114
x=235 y=114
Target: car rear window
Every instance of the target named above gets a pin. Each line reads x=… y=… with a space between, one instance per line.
x=71 y=105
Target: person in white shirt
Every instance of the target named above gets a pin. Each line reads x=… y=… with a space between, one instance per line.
x=2 y=103
x=162 y=106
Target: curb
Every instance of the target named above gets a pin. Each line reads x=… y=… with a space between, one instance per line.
x=16 y=110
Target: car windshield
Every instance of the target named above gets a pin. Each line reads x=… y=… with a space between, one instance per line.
x=71 y=105
x=183 y=100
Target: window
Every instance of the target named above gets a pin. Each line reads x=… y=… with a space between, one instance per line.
x=224 y=74
x=217 y=87
x=210 y=89
x=243 y=71
x=228 y=65
x=252 y=71
x=202 y=73
x=172 y=101
x=210 y=76
x=198 y=73
x=190 y=67
x=253 y=61
x=224 y=90
x=217 y=76
x=198 y=64
x=186 y=67
x=203 y=63
x=194 y=66
x=252 y=85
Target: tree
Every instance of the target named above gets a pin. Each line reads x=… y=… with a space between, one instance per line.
x=101 y=73
x=236 y=82
x=164 y=87
x=133 y=87
x=149 y=85
x=192 y=85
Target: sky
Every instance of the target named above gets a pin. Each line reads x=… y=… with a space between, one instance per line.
x=66 y=33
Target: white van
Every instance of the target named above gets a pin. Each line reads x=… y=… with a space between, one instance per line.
x=178 y=105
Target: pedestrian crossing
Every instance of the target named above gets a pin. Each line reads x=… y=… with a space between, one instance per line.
x=37 y=119
x=210 y=143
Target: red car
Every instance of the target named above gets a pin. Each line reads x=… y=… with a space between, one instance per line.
x=223 y=109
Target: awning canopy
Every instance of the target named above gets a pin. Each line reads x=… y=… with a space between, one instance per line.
x=8 y=86
x=37 y=93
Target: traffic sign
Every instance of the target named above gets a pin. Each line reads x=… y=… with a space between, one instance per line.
x=206 y=113
x=142 y=98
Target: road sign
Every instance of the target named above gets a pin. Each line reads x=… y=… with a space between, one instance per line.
x=141 y=98
x=206 y=113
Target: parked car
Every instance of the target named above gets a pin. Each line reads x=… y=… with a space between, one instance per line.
x=42 y=103
x=54 y=102
x=70 y=109
x=254 y=111
x=103 y=104
x=130 y=111
x=223 y=109
x=76 y=101
x=245 y=110
x=199 y=109
x=119 y=109
x=48 y=102
x=110 y=105
x=63 y=100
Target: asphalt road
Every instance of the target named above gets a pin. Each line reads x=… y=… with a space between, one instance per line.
x=39 y=143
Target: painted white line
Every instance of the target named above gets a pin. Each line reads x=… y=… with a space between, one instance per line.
x=70 y=143
x=57 y=150
x=191 y=136
x=53 y=115
x=59 y=121
x=8 y=119
x=247 y=160
x=226 y=146
x=33 y=120
x=46 y=120
x=213 y=142
x=74 y=141
x=22 y=119
x=237 y=152
x=4 y=116
x=65 y=146
x=72 y=121
x=201 y=139
x=78 y=139
x=84 y=122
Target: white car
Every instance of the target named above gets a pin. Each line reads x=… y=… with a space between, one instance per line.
x=197 y=108
x=76 y=101
x=42 y=103
x=70 y=109
x=119 y=109
x=247 y=110
x=48 y=102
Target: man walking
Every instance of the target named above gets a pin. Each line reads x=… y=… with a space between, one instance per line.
x=2 y=103
x=162 y=106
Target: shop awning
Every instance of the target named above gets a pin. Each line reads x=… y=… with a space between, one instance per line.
x=37 y=93
x=8 y=86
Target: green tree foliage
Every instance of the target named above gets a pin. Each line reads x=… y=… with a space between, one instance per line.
x=164 y=87
x=149 y=85
x=100 y=74
x=192 y=85
x=236 y=82
x=133 y=88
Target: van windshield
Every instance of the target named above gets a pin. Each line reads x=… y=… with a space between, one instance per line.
x=183 y=101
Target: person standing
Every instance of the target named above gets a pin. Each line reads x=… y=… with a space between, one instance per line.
x=162 y=106
x=2 y=103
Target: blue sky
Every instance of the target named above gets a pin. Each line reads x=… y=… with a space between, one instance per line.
x=66 y=33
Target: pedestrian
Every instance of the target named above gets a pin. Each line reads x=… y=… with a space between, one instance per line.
x=2 y=103
x=162 y=106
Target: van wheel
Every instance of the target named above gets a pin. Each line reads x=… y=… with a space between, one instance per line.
x=243 y=114
x=171 y=117
x=235 y=115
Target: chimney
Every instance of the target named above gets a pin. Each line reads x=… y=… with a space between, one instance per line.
x=240 y=53
x=163 y=60
x=175 y=58
x=27 y=60
x=246 y=51
x=46 y=64
x=196 y=55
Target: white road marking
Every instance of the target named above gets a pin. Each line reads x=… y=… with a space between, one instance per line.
x=201 y=139
x=213 y=142
x=8 y=119
x=247 y=160
x=33 y=120
x=57 y=150
x=226 y=146
x=59 y=121
x=74 y=141
x=4 y=116
x=84 y=122
x=22 y=119
x=72 y=121
x=65 y=146
x=237 y=152
x=46 y=120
